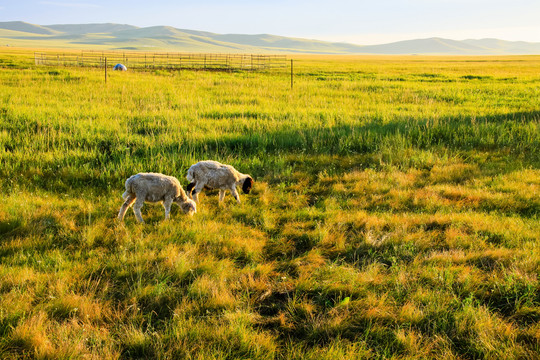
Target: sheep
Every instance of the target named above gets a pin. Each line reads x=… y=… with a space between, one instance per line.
x=214 y=175
x=154 y=187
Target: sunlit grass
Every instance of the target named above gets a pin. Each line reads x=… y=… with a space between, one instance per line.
x=394 y=213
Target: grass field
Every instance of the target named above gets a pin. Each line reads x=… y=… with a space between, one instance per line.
x=395 y=213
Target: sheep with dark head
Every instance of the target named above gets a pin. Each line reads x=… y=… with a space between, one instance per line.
x=154 y=187
x=214 y=175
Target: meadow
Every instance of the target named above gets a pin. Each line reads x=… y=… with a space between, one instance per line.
x=395 y=213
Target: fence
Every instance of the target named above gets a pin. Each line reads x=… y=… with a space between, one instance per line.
x=170 y=61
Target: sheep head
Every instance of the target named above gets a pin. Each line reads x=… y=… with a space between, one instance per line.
x=246 y=186
x=188 y=206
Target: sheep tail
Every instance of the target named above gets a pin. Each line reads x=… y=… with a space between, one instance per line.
x=189 y=175
x=129 y=188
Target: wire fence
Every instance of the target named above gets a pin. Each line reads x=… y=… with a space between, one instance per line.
x=165 y=61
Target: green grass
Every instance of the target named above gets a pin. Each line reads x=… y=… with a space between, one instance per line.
x=395 y=212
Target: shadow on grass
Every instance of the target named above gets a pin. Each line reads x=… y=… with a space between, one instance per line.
x=515 y=137
x=46 y=232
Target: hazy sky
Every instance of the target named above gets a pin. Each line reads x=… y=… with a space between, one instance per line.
x=357 y=21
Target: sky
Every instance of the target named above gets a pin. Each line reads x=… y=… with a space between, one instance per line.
x=362 y=22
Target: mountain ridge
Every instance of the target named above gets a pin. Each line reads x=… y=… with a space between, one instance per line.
x=112 y=36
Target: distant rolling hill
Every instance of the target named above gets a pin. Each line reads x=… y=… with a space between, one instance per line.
x=454 y=47
x=24 y=27
x=166 y=38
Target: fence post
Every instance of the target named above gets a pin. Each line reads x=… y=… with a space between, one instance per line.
x=105 y=70
x=292 y=82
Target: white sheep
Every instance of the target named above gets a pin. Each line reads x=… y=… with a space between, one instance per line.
x=154 y=187
x=214 y=175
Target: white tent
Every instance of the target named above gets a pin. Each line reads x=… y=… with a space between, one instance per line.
x=120 y=67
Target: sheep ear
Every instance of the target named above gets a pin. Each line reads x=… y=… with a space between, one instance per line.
x=248 y=183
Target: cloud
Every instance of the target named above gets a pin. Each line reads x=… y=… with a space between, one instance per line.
x=69 y=5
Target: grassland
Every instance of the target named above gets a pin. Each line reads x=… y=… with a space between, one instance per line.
x=395 y=213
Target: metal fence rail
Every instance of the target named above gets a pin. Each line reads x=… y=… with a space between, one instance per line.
x=171 y=61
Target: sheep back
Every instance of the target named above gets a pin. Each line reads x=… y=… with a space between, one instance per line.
x=154 y=187
x=213 y=174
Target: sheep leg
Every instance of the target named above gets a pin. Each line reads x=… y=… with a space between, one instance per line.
x=221 y=194
x=137 y=208
x=198 y=188
x=189 y=190
x=167 y=205
x=235 y=194
x=195 y=196
x=130 y=199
